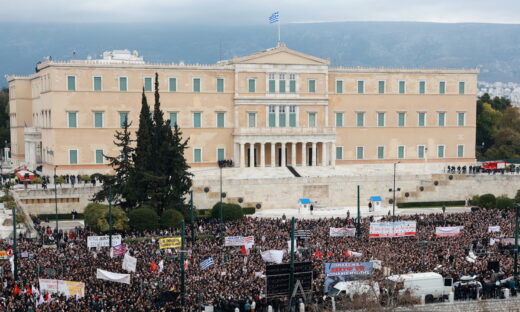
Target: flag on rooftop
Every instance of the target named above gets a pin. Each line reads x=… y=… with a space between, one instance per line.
x=207 y=263
x=274 y=18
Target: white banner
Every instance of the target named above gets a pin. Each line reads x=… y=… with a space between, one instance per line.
x=239 y=241
x=393 y=229
x=275 y=256
x=342 y=232
x=114 y=277
x=67 y=288
x=447 y=231
x=129 y=263
x=103 y=241
x=493 y=228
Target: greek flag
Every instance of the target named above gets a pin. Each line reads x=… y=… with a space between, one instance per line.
x=207 y=263
x=274 y=18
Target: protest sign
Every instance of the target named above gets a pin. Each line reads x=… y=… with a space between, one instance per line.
x=239 y=240
x=447 y=231
x=67 y=288
x=344 y=271
x=6 y=254
x=342 y=232
x=129 y=263
x=170 y=242
x=103 y=241
x=393 y=229
x=275 y=256
x=493 y=228
x=114 y=277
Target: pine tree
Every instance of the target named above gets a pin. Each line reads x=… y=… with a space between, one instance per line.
x=180 y=177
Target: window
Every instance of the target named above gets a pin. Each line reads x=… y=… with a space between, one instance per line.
x=251 y=85
x=401 y=119
x=71 y=83
x=380 y=152
x=196 y=84
x=462 y=85
x=99 y=156
x=148 y=84
x=422 y=87
x=197 y=155
x=360 y=119
x=281 y=116
x=173 y=119
x=339 y=119
x=272 y=116
x=123 y=84
x=292 y=116
x=360 y=87
x=360 y=152
x=441 y=119
x=73 y=121
x=272 y=84
x=196 y=120
x=221 y=154
x=442 y=87
x=123 y=119
x=339 y=86
x=460 y=151
x=381 y=87
x=73 y=157
x=312 y=120
x=440 y=151
x=98 y=119
x=172 y=84
x=281 y=83
x=461 y=119
x=400 y=152
x=220 y=85
x=421 y=119
x=339 y=152
x=402 y=87
x=380 y=119
x=292 y=83
x=251 y=120
x=97 y=83
x=220 y=120
x=312 y=86
x=420 y=151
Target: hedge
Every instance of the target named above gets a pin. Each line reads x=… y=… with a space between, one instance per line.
x=143 y=219
x=61 y=216
x=249 y=210
x=230 y=212
x=451 y=203
x=171 y=218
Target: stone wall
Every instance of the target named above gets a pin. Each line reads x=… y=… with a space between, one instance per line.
x=498 y=305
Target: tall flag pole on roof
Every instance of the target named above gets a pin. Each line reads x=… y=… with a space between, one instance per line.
x=275 y=18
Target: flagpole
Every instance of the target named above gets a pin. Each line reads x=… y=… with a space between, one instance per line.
x=183 y=287
x=279 y=38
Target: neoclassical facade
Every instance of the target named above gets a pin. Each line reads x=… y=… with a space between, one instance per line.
x=278 y=107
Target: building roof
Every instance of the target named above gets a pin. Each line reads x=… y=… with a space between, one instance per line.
x=280 y=55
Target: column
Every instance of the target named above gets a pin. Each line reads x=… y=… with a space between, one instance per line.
x=251 y=154
x=262 y=155
x=332 y=154
x=324 y=154
x=304 y=154
x=283 y=154
x=293 y=154
x=242 y=155
x=273 y=158
x=314 y=162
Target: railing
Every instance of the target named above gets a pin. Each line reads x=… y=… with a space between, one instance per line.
x=285 y=131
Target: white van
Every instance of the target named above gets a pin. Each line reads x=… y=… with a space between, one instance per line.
x=431 y=285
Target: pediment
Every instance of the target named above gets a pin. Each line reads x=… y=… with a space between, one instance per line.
x=281 y=55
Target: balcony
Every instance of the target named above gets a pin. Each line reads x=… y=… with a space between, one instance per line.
x=285 y=134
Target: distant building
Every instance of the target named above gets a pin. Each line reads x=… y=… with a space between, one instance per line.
x=277 y=107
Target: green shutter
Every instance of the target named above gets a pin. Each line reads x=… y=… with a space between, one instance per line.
x=422 y=119
x=272 y=119
x=196 y=85
x=401 y=87
x=147 y=84
x=462 y=87
x=339 y=119
x=360 y=122
x=420 y=152
x=460 y=121
x=252 y=120
x=197 y=155
x=99 y=156
x=339 y=86
x=422 y=87
x=460 y=151
x=123 y=84
x=73 y=123
x=173 y=119
x=220 y=120
x=381 y=87
x=71 y=83
x=281 y=119
x=282 y=86
x=400 y=152
x=401 y=120
x=360 y=87
x=380 y=152
x=442 y=87
x=292 y=86
x=220 y=85
x=292 y=120
x=73 y=157
x=97 y=83
x=272 y=86
x=173 y=85
x=123 y=118
x=312 y=86
x=252 y=86
x=440 y=151
x=442 y=117
x=98 y=120
x=196 y=120
x=359 y=152
x=380 y=119
x=312 y=120
x=339 y=152
x=220 y=154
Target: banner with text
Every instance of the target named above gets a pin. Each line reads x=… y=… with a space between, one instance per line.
x=393 y=229
x=344 y=271
x=103 y=241
x=113 y=277
x=170 y=242
x=342 y=232
x=67 y=288
x=239 y=241
x=447 y=231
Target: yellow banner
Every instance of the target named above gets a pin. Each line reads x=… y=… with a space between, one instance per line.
x=170 y=242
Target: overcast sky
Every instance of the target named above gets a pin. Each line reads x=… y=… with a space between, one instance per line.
x=240 y=12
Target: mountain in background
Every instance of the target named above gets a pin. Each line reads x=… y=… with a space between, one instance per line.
x=494 y=48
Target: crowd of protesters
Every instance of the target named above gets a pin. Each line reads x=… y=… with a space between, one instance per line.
x=235 y=280
x=477 y=169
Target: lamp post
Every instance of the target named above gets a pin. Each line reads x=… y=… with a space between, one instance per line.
x=192 y=219
x=110 y=218
x=15 y=251
x=517 y=207
x=56 y=198
x=220 y=165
